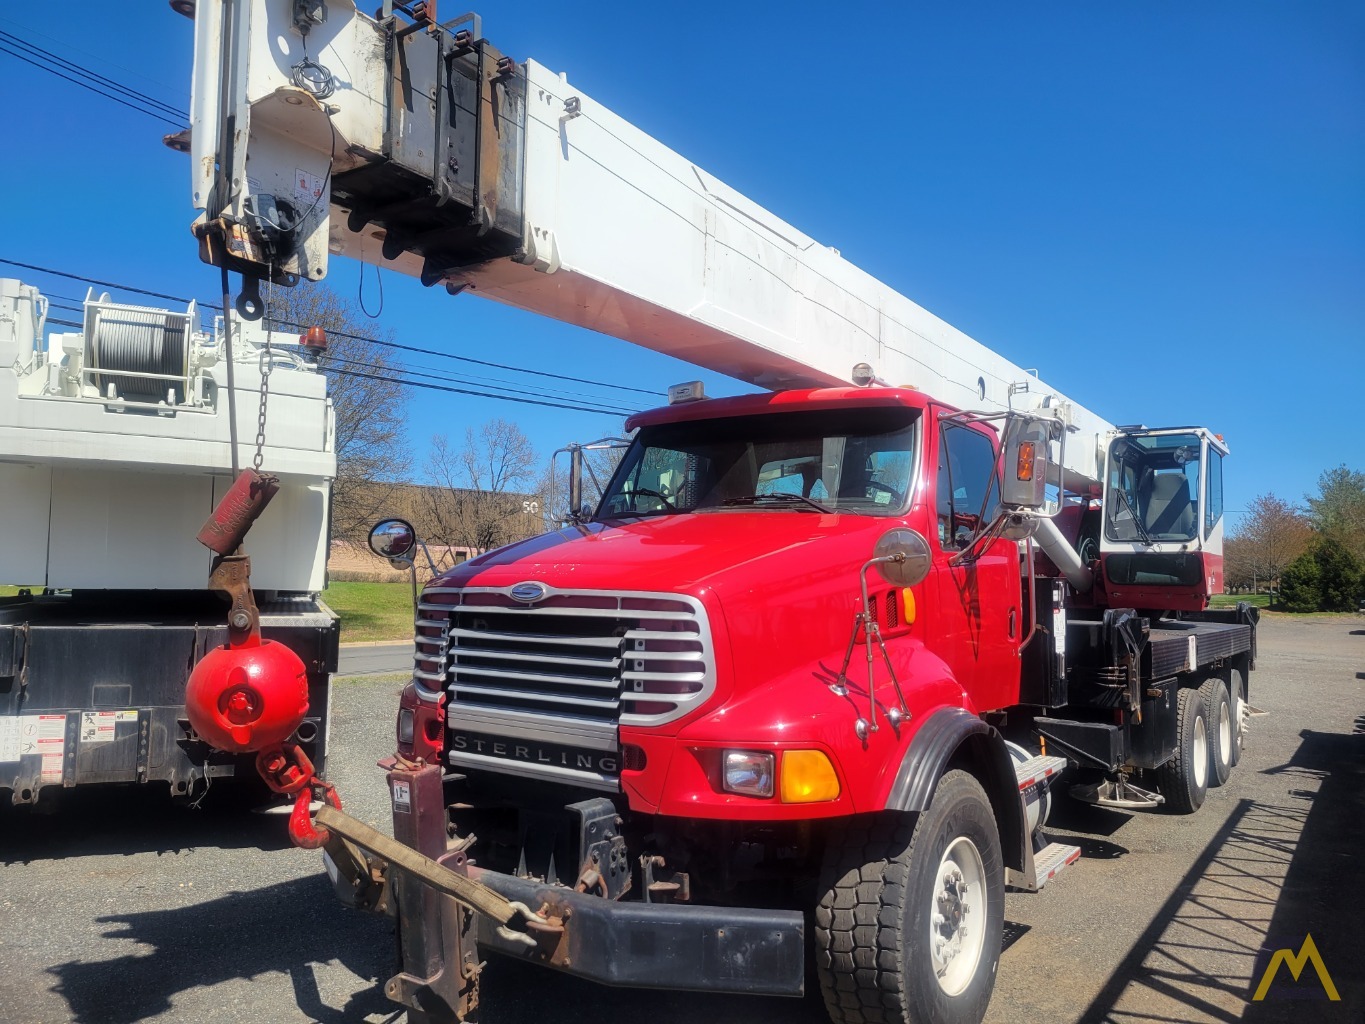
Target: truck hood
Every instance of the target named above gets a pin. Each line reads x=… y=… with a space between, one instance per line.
x=677 y=553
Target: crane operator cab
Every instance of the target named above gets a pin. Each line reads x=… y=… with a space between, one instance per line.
x=1162 y=538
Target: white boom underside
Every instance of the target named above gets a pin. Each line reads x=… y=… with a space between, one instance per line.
x=620 y=234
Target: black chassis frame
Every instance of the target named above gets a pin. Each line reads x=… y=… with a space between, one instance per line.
x=88 y=652
x=1132 y=669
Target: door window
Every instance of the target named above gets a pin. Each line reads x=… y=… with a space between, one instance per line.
x=968 y=484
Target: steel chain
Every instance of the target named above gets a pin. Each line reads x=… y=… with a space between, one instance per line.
x=267 y=364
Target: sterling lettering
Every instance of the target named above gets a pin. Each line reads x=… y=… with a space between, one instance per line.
x=602 y=762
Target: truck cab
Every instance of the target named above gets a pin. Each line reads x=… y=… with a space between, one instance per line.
x=707 y=604
x=791 y=618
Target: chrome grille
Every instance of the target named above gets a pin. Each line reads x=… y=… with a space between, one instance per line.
x=566 y=669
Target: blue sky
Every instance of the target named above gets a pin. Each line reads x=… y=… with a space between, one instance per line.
x=1160 y=207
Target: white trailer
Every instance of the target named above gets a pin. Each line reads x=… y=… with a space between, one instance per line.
x=114 y=448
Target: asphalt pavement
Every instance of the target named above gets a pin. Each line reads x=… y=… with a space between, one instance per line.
x=121 y=907
x=375 y=659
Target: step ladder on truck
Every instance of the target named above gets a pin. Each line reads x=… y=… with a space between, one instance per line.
x=839 y=637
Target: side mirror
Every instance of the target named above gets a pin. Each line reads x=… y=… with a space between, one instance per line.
x=576 y=484
x=393 y=539
x=1027 y=447
x=902 y=557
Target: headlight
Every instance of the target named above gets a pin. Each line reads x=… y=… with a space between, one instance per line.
x=748 y=772
x=405 y=727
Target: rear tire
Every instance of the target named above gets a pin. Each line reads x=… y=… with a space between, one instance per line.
x=1222 y=731
x=908 y=928
x=1184 y=779
x=1238 y=695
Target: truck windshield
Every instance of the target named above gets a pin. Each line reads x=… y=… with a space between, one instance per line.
x=847 y=460
x=1153 y=488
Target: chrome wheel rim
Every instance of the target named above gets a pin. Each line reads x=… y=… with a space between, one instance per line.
x=1224 y=734
x=1201 y=752
x=957 y=916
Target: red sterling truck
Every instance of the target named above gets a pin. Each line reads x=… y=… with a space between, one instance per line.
x=817 y=655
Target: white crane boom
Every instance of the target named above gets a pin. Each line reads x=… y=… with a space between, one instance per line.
x=420 y=148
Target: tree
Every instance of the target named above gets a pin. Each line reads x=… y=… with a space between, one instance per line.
x=1271 y=536
x=369 y=402
x=1339 y=576
x=1328 y=578
x=1300 y=585
x=1338 y=511
x=482 y=494
x=1239 y=565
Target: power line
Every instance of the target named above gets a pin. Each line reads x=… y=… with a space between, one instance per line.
x=100 y=80
x=479 y=394
x=477 y=362
x=342 y=334
x=490 y=382
x=6 y=47
x=102 y=284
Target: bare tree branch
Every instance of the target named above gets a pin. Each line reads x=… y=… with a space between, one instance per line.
x=482 y=495
x=371 y=413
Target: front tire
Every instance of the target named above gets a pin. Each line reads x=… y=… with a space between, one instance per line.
x=1222 y=729
x=908 y=929
x=1184 y=779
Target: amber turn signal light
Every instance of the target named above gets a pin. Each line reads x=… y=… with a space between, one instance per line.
x=808 y=777
x=1024 y=470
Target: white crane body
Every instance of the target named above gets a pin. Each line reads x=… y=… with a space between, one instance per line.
x=603 y=226
x=109 y=432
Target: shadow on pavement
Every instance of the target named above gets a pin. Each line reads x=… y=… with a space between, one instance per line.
x=104 y=820
x=289 y=927
x=1271 y=875
x=1077 y=816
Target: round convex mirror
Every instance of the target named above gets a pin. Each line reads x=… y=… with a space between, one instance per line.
x=393 y=538
x=915 y=559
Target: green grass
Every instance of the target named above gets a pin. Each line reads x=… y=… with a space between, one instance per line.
x=371 y=612
x=1231 y=600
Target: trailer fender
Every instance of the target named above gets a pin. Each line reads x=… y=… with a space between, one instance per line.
x=955 y=737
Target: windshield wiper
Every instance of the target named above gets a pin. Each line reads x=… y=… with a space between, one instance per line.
x=648 y=492
x=1137 y=523
x=754 y=499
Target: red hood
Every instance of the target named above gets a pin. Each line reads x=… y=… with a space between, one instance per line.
x=678 y=553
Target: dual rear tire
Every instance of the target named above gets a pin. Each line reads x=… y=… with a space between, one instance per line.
x=1210 y=733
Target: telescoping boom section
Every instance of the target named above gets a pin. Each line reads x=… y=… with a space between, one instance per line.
x=423 y=149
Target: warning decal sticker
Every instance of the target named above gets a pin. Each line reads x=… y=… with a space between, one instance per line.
x=9 y=738
x=42 y=734
x=98 y=726
x=52 y=768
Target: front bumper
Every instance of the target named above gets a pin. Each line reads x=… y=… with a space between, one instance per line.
x=735 y=950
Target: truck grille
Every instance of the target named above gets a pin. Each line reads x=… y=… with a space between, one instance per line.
x=538 y=689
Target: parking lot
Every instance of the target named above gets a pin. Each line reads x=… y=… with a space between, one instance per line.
x=125 y=908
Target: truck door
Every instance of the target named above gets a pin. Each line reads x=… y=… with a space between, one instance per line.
x=978 y=607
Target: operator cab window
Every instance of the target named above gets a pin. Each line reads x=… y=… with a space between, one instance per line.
x=821 y=460
x=968 y=484
x=1153 y=488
